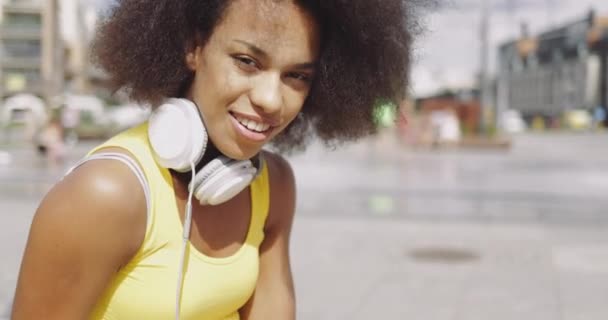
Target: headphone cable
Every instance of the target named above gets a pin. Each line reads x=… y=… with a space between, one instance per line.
x=185 y=239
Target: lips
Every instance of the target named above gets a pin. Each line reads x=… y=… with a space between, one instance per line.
x=251 y=129
x=252 y=125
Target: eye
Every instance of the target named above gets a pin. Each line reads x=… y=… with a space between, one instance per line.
x=300 y=76
x=245 y=63
x=300 y=81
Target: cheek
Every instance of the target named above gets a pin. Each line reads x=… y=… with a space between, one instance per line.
x=294 y=103
x=293 y=113
x=231 y=80
x=219 y=79
x=218 y=94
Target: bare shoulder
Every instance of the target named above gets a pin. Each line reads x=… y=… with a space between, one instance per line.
x=88 y=226
x=282 y=191
x=99 y=197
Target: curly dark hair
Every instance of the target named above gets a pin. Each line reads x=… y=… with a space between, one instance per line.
x=365 y=58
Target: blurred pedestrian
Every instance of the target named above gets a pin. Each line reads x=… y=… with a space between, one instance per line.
x=50 y=141
x=120 y=237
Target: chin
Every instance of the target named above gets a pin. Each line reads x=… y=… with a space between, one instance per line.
x=239 y=153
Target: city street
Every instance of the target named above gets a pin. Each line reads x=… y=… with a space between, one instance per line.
x=388 y=232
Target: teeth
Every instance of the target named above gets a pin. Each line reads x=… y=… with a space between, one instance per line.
x=252 y=125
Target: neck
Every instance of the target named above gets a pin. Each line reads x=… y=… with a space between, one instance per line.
x=210 y=153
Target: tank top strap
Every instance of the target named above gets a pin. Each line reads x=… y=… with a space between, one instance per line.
x=260 y=202
x=135 y=141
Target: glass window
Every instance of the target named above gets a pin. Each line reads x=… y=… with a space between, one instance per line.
x=23 y=20
x=19 y=48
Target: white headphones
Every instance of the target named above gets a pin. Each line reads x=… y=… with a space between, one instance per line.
x=179 y=139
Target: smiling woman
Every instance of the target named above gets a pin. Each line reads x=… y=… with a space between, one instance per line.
x=120 y=237
x=255 y=67
x=365 y=55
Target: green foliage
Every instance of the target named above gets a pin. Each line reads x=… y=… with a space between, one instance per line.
x=385 y=113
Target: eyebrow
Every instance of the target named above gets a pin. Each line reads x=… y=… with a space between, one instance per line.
x=253 y=48
x=258 y=51
x=306 y=65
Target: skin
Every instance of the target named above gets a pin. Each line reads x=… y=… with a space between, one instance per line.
x=93 y=221
x=258 y=63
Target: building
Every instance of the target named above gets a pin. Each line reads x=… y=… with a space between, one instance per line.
x=557 y=71
x=44 y=48
x=44 y=60
x=21 y=48
x=465 y=104
x=78 y=25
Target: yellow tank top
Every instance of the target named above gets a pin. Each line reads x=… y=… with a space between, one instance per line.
x=214 y=288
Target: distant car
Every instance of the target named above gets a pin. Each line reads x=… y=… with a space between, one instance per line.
x=511 y=121
x=578 y=119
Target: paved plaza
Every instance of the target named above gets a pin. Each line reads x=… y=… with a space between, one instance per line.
x=386 y=232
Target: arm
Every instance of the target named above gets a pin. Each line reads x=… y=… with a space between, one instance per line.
x=274 y=297
x=88 y=226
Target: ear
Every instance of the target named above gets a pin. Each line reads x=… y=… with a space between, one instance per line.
x=193 y=58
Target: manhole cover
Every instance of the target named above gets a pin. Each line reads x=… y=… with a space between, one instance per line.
x=443 y=255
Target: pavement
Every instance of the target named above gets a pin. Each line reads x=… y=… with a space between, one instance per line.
x=384 y=231
x=382 y=269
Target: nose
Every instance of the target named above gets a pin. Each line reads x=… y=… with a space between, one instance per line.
x=266 y=93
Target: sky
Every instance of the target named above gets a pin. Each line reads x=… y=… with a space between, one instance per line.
x=447 y=54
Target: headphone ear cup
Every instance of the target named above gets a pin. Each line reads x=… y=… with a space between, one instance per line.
x=222 y=179
x=177 y=134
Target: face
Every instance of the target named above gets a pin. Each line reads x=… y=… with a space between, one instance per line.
x=254 y=73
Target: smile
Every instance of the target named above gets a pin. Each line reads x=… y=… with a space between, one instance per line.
x=251 y=130
x=251 y=124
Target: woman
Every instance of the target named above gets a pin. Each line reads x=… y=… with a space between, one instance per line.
x=113 y=239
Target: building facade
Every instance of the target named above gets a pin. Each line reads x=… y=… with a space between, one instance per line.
x=21 y=48
x=44 y=48
x=559 y=70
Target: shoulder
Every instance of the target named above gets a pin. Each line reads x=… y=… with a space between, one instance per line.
x=98 y=199
x=282 y=190
x=87 y=227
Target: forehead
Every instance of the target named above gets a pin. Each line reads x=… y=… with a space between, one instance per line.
x=270 y=24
